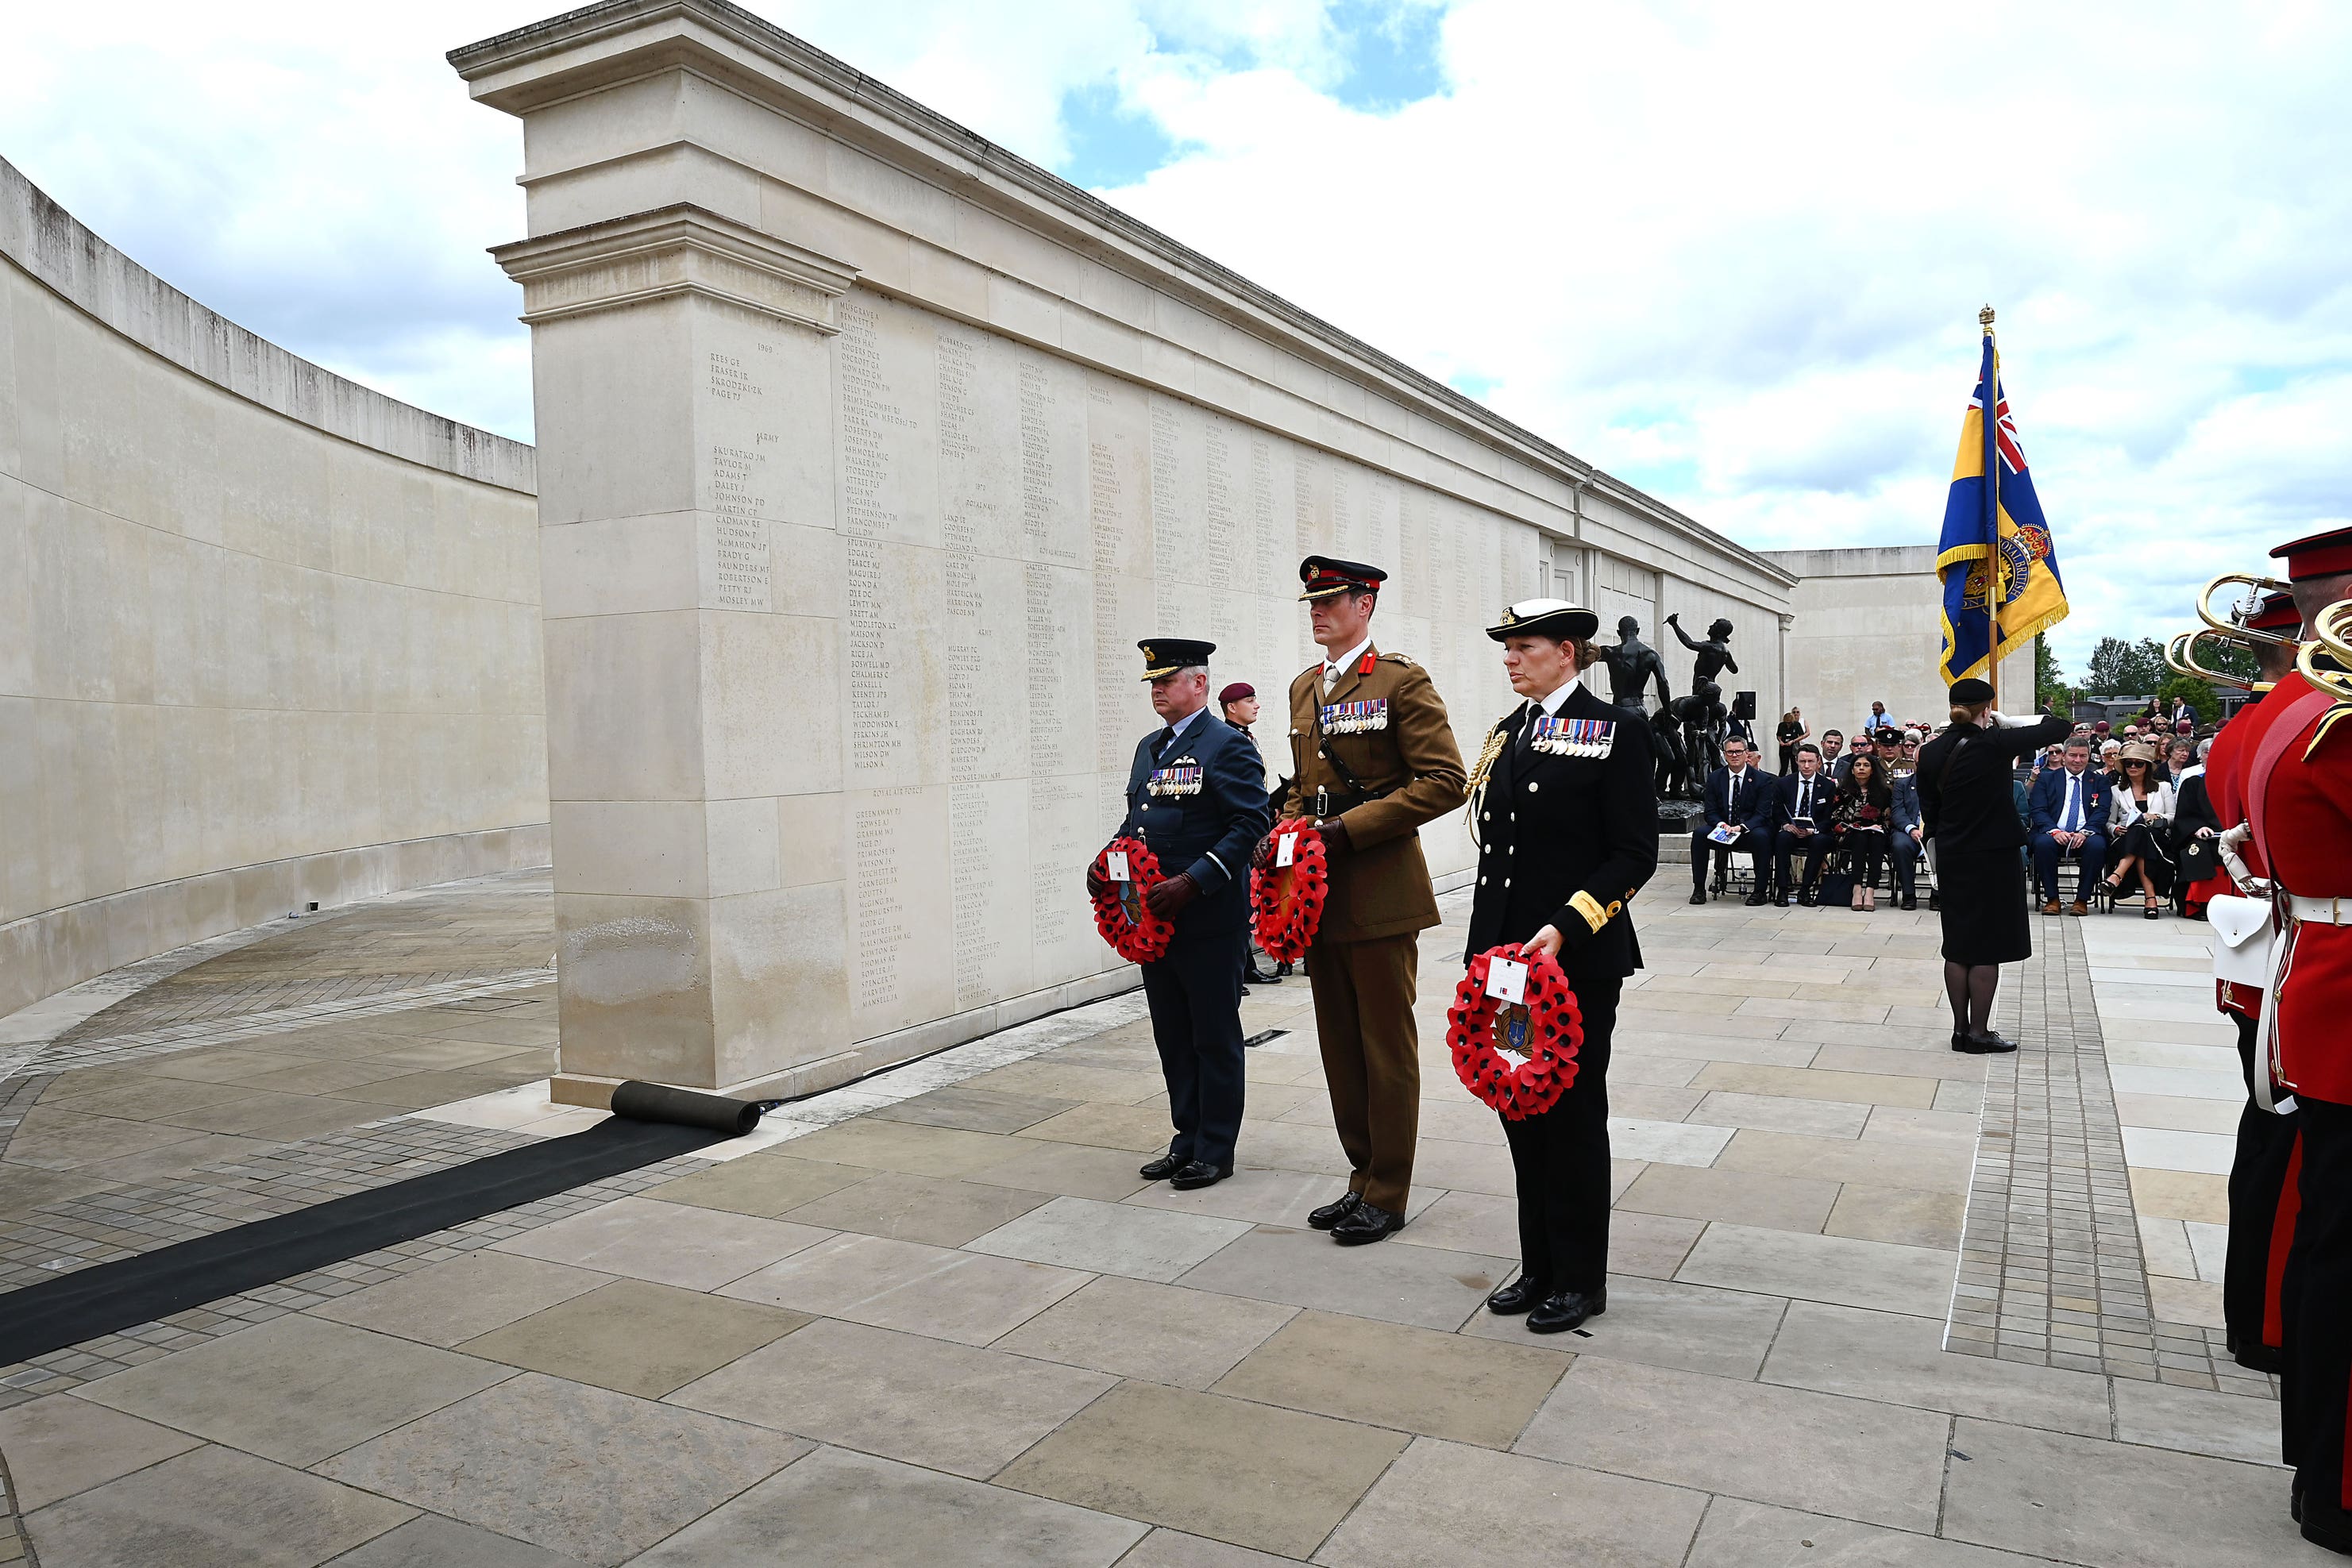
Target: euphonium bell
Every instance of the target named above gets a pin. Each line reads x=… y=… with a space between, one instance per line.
x=2331 y=639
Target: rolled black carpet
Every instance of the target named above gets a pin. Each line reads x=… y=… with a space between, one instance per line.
x=108 y=1297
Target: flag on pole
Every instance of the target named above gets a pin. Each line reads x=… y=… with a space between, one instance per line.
x=1996 y=561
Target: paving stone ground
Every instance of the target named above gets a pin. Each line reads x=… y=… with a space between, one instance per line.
x=937 y=1317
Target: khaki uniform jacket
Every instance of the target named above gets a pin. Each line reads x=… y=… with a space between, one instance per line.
x=1411 y=769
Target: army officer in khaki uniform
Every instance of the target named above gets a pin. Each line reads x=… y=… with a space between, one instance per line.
x=1372 y=758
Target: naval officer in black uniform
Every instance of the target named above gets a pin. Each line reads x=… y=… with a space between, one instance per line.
x=1567 y=815
x=1196 y=795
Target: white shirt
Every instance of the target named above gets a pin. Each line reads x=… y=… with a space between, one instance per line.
x=1332 y=667
x=1552 y=704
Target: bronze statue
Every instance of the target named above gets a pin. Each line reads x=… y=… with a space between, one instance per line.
x=1632 y=666
x=1714 y=654
x=1700 y=717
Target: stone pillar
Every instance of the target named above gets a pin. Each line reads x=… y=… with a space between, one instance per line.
x=692 y=576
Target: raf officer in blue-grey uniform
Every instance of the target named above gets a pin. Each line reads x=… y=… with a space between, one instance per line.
x=1196 y=795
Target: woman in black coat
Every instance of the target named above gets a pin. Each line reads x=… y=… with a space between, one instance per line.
x=1969 y=807
x=1567 y=820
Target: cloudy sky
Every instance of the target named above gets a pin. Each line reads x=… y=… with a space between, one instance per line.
x=1733 y=253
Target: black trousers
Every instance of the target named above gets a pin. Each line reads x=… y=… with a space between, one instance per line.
x=1195 y=994
x=2262 y=1212
x=1560 y=1162
x=2315 y=1392
x=1704 y=849
x=1812 y=846
x=1906 y=851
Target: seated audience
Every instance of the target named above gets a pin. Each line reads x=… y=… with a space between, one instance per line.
x=2068 y=811
x=1800 y=821
x=1860 y=823
x=1740 y=798
x=2137 y=825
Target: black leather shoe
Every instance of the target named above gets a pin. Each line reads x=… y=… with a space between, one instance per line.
x=1254 y=976
x=1984 y=1045
x=1521 y=1295
x=1199 y=1173
x=1757 y=900
x=1163 y=1167
x=1566 y=1310
x=1698 y=895
x=1366 y=1222
x=1808 y=900
x=1910 y=901
x=1331 y=1213
x=1785 y=902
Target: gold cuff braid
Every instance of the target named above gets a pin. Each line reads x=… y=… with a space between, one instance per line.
x=1584 y=903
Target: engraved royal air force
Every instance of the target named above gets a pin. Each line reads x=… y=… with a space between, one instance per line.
x=1354 y=718
x=1572 y=737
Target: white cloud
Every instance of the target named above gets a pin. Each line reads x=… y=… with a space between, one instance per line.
x=1732 y=253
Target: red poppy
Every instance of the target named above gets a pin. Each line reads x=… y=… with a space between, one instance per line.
x=1289 y=898
x=1122 y=916
x=1552 y=1034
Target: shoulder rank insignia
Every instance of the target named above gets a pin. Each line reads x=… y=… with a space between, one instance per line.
x=1354 y=719
x=1181 y=777
x=1572 y=737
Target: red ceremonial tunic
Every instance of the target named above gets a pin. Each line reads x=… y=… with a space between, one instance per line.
x=2225 y=787
x=2308 y=822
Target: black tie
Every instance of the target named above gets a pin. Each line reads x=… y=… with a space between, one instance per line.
x=1805 y=800
x=1159 y=745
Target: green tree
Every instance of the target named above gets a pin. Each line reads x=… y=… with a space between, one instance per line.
x=2121 y=669
x=2201 y=700
x=2051 y=689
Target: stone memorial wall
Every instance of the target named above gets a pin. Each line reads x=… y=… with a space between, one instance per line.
x=868 y=454
x=1012 y=524
x=267 y=637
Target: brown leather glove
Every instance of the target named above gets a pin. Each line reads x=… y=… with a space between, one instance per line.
x=1167 y=897
x=1263 y=856
x=1336 y=842
x=1097 y=884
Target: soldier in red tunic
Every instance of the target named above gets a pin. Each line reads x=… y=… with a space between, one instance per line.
x=2298 y=783
x=2263 y=1201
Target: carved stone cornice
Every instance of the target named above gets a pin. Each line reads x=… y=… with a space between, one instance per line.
x=668 y=252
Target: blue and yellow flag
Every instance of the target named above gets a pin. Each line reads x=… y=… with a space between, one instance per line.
x=1995 y=558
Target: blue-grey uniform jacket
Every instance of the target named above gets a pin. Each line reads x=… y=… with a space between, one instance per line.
x=1202 y=809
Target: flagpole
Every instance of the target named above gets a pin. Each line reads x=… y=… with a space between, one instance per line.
x=1992 y=505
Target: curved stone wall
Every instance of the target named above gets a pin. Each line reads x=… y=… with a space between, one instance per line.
x=265 y=636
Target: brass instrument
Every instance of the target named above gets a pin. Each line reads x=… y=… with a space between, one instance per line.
x=2229 y=629
x=2331 y=639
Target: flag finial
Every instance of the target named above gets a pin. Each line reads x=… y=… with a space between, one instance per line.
x=1984 y=318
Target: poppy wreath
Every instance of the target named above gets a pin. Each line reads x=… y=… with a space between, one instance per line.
x=1555 y=1034
x=1289 y=898
x=1137 y=941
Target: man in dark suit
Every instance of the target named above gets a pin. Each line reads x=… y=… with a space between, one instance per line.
x=1739 y=800
x=2068 y=809
x=1196 y=796
x=1568 y=828
x=1910 y=841
x=1801 y=820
